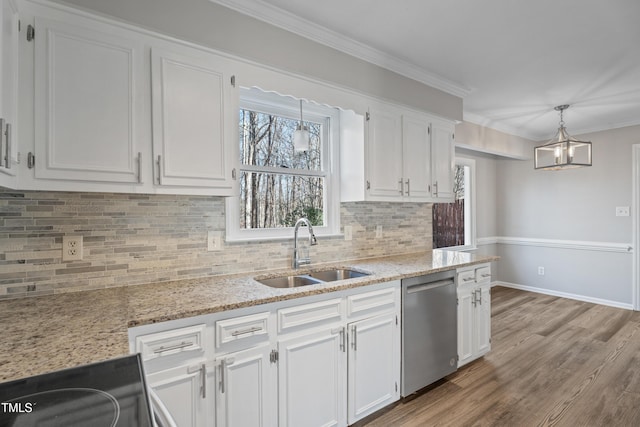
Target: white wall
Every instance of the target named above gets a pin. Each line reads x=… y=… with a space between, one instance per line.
x=565 y=222
x=209 y=24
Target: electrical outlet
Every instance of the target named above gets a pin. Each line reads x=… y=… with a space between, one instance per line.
x=378 y=232
x=622 y=210
x=348 y=232
x=214 y=241
x=540 y=271
x=72 y=248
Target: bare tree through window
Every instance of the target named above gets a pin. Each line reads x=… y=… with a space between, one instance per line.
x=277 y=184
x=448 y=218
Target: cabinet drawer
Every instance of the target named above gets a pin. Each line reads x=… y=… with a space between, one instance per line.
x=242 y=328
x=483 y=273
x=315 y=314
x=466 y=277
x=371 y=302
x=177 y=341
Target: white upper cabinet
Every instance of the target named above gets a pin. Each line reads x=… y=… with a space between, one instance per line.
x=408 y=157
x=442 y=160
x=89 y=108
x=384 y=153
x=8 y=92
x=194 y=125
x=416 y=156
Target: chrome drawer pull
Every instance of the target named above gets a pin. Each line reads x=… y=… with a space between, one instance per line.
x=468 y=279
x=246 y=331
x=183 y=344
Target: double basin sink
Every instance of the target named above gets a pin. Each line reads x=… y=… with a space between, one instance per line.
x=311 y=278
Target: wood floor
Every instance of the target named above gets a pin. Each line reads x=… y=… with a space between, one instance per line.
x=554 y=362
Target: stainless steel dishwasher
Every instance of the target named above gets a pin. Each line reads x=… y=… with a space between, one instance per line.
x=429 y=330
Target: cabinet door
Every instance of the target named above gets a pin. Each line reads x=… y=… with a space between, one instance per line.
x=193 y=128
x=416 y=147
x=312 y=380
x=88 y=106
x=183 y=390
x=384 y=154
x=8 y=92
x=374 y=365
x=247 y=389
x=483 y=320
x=442 y=160
x=466 y=325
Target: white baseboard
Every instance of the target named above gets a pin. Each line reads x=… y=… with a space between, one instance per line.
x=564 y=295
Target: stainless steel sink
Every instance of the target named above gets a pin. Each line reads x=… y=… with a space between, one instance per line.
x=337 y=274
x=311 y=278
x=289 y=281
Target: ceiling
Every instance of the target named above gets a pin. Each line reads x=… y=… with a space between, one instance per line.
x=511 y=60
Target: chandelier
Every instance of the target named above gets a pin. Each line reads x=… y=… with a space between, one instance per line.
x=563 y=151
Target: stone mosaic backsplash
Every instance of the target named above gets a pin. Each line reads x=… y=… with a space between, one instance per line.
x=132 y=239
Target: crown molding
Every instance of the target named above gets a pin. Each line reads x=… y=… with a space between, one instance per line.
x=287 y=21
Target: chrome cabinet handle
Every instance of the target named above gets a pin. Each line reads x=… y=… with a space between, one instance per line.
x=158 y=163
x=408 y=188
x=203 y=372
x=139 y=168
x=183 y=344
x=223 y=372
x=246 y=331
x=468 y=279
x=401 y=182
x=8 y=152
x=354 y=339
x=2 y=139
x=480 y=295
x=223 y=368
x=435 y=188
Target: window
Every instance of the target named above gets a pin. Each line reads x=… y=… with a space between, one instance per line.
x=454 y=223
x=277 y=184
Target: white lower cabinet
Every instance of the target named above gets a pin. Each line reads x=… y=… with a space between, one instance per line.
x=311 y=374
x=317 y=361
x=474 y=313
x=184 y=390
x=373 y=365
x=247 y=389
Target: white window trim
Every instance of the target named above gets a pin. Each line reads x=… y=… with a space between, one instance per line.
x=287 y=106
x=470 y=208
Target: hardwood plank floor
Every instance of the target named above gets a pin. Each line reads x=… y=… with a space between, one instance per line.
x=554 y=362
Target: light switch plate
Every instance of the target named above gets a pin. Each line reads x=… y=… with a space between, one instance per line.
x=348 y=232
x=214 y=241
x=622 y=210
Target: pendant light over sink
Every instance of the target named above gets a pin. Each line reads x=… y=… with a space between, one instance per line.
x=301 y=136
x=563 y=151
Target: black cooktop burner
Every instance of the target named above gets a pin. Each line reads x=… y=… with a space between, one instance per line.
x=109 y=394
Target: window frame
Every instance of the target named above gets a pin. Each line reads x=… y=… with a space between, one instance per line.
x=469 y=208
x=288 y=106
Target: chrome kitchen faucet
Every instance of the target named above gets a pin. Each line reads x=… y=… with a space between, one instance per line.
x=297 y=261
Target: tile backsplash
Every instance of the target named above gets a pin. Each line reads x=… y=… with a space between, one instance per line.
x=132 y=239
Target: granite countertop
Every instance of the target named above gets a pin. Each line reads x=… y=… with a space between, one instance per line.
x=43 y=334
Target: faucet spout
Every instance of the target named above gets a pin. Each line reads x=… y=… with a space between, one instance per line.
x=297 y=261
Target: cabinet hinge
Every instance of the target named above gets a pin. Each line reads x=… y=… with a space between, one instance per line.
x=367 y=116
x=31 y=32
x=233 y=81
x=233 y=173
x=273 y=357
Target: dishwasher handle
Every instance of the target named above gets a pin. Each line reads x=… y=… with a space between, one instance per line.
x=427 y=286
